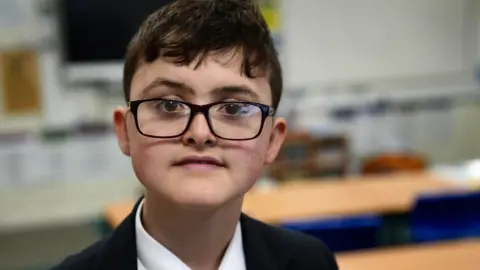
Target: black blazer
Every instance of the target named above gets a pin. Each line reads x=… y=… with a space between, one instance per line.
x=266 y=247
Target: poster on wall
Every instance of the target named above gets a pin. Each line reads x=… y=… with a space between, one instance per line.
x=20 y=84
x=271 y=12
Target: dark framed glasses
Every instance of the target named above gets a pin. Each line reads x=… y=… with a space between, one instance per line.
x=229 y=120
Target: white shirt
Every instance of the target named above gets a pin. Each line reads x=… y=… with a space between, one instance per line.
x=151 y=255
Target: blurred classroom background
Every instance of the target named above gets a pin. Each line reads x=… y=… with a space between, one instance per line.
x=382 y=97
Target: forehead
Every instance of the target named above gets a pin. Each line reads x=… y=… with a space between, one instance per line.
x=216 y=71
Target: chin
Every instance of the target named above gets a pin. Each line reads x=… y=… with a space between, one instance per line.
x=201 y=200
x=200 y=203
x=198 y=192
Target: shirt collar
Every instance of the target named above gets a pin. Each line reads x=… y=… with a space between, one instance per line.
x=152 y=255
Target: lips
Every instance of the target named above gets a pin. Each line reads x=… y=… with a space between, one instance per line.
x=199 y=160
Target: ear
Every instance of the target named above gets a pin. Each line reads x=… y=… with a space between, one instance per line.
x=279 y=132
x=120 y=125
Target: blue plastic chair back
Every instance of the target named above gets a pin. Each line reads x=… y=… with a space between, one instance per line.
x=342 y=234
x=437 y=217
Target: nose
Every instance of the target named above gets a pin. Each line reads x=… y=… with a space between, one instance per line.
x=199 y=133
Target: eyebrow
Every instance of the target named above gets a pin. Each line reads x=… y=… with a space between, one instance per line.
x=158 y=82
x=218 y=93
x=231 y=91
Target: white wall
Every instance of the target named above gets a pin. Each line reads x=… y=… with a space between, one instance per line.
x=331 y=41
x=386 y=44
x=340 y=40
x=18 y=22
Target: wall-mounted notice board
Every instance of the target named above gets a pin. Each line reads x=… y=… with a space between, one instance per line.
x=20 y=82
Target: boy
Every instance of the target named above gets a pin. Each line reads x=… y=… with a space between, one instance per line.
x=202 y=81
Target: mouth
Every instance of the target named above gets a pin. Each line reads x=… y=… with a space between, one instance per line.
x=199 y=162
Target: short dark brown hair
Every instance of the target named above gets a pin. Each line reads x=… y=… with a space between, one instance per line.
x=187 y=29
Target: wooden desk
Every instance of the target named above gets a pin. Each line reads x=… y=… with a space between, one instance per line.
x=114 y=214
x=323 y=199
x=327 y=198
x=458 y=255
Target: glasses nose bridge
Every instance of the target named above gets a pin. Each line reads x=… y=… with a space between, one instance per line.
x=202 y=109
x=199 y=109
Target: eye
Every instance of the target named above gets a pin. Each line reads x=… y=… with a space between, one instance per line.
x=170 y=106
x=237 y=109
x=233 y=108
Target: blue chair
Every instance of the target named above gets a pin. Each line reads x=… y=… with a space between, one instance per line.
x=437 y=217
x=342 y=234
x=102 y=227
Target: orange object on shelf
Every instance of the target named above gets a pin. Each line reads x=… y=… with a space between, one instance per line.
x=394 y=162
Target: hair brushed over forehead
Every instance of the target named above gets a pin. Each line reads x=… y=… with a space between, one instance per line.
x=189 y=30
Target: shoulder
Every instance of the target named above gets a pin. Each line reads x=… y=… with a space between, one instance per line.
x=116 y=251
x=305 y=251
x=83 y=260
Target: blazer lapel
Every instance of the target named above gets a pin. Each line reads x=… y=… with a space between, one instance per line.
x=260 y=251
x=120 y=250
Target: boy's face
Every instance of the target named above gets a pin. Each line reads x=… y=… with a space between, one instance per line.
x=156 y=161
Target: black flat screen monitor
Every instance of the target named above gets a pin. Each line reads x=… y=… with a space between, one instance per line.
x=95 y=34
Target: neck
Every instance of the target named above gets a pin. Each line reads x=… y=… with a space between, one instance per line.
x=198 y=237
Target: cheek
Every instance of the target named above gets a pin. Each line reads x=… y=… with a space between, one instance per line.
x=247 y=161
x=150 y=158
